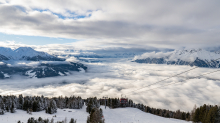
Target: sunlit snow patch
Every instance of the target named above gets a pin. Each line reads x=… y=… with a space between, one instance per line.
x=31 y=74
x=6 y=75
x=81 y=70
x=61 y=74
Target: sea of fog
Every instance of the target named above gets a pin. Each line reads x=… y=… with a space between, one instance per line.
x=114 y=77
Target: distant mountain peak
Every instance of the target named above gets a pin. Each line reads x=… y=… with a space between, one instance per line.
x=26 y=53
x=192 y=57
x=22 y=49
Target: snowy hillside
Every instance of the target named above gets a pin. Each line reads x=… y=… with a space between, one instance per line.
x=40 y=69
x=25 y=53
x=27 y=62
x=192 y=57
x=119 y=115
x=134 y=115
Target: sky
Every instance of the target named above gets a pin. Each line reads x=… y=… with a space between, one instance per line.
x=111 y=23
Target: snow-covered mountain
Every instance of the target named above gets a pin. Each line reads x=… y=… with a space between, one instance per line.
x=41 y=70
x=192 y=57
x=25 y=53
x=25 y=61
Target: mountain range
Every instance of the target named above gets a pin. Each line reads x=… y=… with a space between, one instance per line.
x=192 y=57
x=109 y=53
x=27 y=62
x=26 y=53
x=30 y=63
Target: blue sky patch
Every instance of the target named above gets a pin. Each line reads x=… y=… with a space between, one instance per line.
x=34 y=40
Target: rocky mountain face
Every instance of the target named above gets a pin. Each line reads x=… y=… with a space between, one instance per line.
x=29 y=63
x=192 y=57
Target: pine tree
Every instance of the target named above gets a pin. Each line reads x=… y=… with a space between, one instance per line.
x=95 y=116
x=12 y=110
x=25 y=105
x=72 y=121
x=7 y=109
x=202 y=112
x=188 y=116
x=218 y=115
x=168 y=115
x=21 y=101
x=52 y=120
x=183 y=117
x=34 y=106
x=212 y=115
x=196 y=115
x=40 y=119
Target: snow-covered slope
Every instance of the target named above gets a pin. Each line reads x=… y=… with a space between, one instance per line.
x=25 y=61
x=192 y=57
x=41 y=69
x=25 y=53
x=79 y=114
x=192 y=54
x=119 y=115
x=134 y=115
x=5 y=53
x=28 y=52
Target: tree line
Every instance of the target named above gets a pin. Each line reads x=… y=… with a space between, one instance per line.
x=204 y=114
x=38 y=103
x=41 y=120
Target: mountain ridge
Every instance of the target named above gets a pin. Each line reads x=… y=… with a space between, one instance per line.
x=192 y=57
x=25 y=61
x=26 y=53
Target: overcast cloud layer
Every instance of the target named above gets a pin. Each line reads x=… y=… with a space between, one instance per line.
x=125 y=23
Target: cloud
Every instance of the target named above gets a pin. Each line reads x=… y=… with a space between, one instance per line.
x=153 y=55
x=2 y=63
x=72 y=59
x=127 y=23
x=114 y=79
x=23 y=63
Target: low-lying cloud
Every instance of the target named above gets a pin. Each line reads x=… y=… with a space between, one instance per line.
x=153 y=55
x=23 y=63
x=114 y=79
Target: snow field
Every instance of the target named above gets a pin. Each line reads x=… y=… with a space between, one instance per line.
x=79 y=114
x=134 y=115
x=119 y=115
